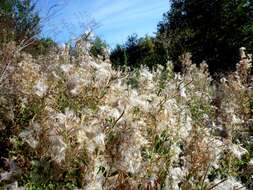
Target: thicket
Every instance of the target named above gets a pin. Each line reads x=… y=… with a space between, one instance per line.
x=213 y=31
x=76 y=123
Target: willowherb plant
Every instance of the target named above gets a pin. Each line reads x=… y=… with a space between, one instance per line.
x=92 y=127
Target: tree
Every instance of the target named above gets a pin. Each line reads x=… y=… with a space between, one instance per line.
x=132 y=51
x=98 y=48
x=211 y=30
x=139 y=51
x=42 y=46
x=19 y=20
x=118 y=56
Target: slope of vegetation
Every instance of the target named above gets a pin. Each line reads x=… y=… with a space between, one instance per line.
x=70 y=118
x=69 y=123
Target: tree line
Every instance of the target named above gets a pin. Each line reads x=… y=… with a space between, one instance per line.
x=139 y=51
x=211 y=30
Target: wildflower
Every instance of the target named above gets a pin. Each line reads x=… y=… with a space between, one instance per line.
x=175 y=150
x=223 y=80
x=66 y=68
x=96 y=177
x=103 y=74
x=110 y=112
x=75 y=85
x=136 y=101
x=229 y=184
x=81 y=136
x=100 y=141
x=14 y=186
x=139 y=139
x=182 y=91
x=146 y=74
x=185 y=130
x=236 y=120
x=152 y=180
x=67 y=120
x=14 y=172
x=243 y=53
x=238 y=151
x=27 y=136
x=174 y=178
x=132 y=160
x=58 y=147
x=40 y=88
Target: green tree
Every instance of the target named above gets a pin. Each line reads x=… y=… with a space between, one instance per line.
x=19 y=20
x=41 y=46
x=118 y=56
x=211 y=30
x=139 y=51
x=98 y=47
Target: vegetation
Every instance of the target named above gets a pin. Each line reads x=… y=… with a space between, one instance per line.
x=41 y=46
x=185 y=29
x=70 y=120
x=19 y=20
x=98 y=48
x=213 y=31
x=139 y=51
x=68 y=125
x=20 y=23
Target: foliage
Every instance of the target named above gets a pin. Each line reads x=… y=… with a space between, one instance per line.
x=42 y=46
x=19 y=20
x=211 y=30
x=139 y=51
x=80 y=124
x=98 y=48
x=21 y=23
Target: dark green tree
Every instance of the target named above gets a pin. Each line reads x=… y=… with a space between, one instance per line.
x=98 y=47
x=211 y=30
x=118 y=56
x=139 y=51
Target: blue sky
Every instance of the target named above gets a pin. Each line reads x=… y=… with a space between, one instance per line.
x=116 y=18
